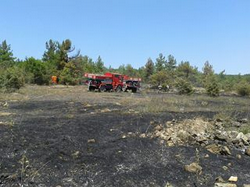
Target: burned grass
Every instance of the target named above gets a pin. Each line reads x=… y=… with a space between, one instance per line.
x=67 y=136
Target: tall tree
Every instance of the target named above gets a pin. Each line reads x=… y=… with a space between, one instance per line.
x=99 y=65
x=160 y=63
x=171 y=63
x=185 y=69
x=6 y=56
x=58 y=53
x=207 y=69
x=149 y=68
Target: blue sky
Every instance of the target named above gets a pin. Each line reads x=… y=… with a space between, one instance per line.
x=131 y=31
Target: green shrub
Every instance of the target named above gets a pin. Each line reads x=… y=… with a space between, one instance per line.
x=36 y=71
x=69 y=75
x=184 y=87
x=212 y=86
x=243 y=88
x=12 y=79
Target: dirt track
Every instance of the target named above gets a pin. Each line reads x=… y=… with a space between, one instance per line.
x=77 y=138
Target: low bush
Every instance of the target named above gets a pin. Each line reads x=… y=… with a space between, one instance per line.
x=212 y=86
x=184 y=87
x=243 y=88
x=12 y=79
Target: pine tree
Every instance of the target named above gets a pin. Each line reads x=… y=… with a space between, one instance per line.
x=149 y=68
x=99 y=65
x=171 y=63
x=6 y=56
x=160 y=63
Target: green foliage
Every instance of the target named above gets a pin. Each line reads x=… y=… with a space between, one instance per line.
x=160 y=63
x=149 y=68
x=243 y=88
x=207 y=69
x=171 y=63
x=160 y=78
x=185 y=70
x=37 y=70
x=58 y=53
x=212 y=86
x=12 y=79
x=69 y=75
x=184 y=86
x=6 y=56
x=99 y=65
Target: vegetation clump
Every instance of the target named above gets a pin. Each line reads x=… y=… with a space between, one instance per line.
x=243 y=89
x=184 y=87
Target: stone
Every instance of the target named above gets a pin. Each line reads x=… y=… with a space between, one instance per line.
x=233 y=179
x=242 y=137
x=248 y=136
x=206 y=156
x=222 y=136
x=247 y=151
x=219 y=179
x=183 y=135
x=236 y=124
x=243 y=120
x=224 y=185
x=91 y=141
x=158 y=128
x=225 y=168
x=225 y=151
x=213 y=148
x=168 y=185
x=238 y=156
x=143 y=135
x=193 y=168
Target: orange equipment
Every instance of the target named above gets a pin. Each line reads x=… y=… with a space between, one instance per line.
x=54 y=79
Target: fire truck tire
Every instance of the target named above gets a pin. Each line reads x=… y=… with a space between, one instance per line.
x=134 y=90
x=91 y=89
x=118 y=89
x=102 y=88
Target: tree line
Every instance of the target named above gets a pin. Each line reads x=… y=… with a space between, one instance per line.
x=69 y=65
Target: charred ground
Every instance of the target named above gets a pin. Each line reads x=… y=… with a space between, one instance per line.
x=66 y=136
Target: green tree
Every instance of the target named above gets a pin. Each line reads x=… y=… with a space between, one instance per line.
x=160 y=78
x=58 y=54
x=243 y=88
x=184 y=86
x=12 y=79
x=160 y=63
x=6 y=56
x=38 y=71
x=207 y=69
x=149 y=68
x=171 y=63
x=185 y=69
x=130 y=71
x=212 y=86
x=99 y=65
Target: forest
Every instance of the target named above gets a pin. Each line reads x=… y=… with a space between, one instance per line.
x=69 y=65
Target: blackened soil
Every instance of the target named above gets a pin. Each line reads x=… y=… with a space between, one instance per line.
x=48 y=146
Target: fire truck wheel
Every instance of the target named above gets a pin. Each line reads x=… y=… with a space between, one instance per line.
x=134 y=90
x=102 y=88
x=91 y=89
x=124 y=89
x=118 y=89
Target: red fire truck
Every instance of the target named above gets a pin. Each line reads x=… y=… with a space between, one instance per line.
x=112 y=82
